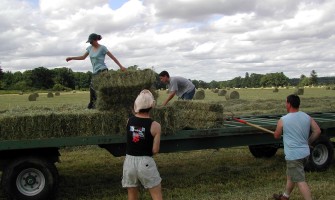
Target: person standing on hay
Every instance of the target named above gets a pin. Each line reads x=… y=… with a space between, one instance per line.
x=299 y=131
x=97 y=53
x=177 y=85
x=143 y=141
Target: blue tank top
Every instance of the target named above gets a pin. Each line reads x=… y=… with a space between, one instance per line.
x=97 y=58
x=139 y=137
x=296 y=130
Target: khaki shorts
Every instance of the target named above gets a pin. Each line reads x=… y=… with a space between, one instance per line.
x=140 y=169
x=295 y=169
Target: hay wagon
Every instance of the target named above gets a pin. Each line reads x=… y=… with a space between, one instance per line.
x=28 y=165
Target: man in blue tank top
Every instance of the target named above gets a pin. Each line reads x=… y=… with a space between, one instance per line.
x=143 y=141
x=299 y=131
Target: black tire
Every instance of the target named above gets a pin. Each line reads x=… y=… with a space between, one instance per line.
x=30 y=178
x=321 y=156
x=263 y=151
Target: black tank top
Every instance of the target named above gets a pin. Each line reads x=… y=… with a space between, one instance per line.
x=139 y=138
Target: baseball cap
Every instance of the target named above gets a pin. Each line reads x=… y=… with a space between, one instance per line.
x=93 y=36
x=144 y=100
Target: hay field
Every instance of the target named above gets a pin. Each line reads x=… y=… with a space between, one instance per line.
x=318 y=98
x=91 y=173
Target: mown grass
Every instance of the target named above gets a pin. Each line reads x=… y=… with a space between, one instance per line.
x=91 y=173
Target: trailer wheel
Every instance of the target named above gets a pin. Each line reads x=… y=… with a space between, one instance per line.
x=30 y=179
x=263 y=151
x=321 y=155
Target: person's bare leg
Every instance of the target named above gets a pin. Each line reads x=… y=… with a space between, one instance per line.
x=289 y=185
x=133 y=193
x=304 y=190
x=156 y=192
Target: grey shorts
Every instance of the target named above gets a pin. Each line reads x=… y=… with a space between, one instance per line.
x=140 y=169
x=295 y=169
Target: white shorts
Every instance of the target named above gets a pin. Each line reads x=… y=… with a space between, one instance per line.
x=138 y=169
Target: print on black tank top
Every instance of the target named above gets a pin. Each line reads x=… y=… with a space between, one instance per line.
x=139 y=138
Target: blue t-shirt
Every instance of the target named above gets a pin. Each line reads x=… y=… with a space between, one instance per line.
x=97 y=58
x=296 y=129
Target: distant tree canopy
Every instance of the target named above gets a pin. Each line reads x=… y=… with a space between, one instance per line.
x=41 y=78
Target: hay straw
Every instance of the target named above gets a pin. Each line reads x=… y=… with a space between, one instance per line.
x=199 y=95
x=232 y=95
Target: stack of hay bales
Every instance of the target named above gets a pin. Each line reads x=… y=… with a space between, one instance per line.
x=38 y=124
x=117 y=89
x=117 y=92
x=181 y=115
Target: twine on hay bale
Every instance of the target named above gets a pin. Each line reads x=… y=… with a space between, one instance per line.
x=199 y=95
x=232 y=95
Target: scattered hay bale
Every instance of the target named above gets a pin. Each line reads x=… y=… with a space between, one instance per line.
x=275 y=89
x=199 y=95
x=299 y=91
x=222 y=92
x=215 y=90
x=32 y=97
x=232 y=95
x=20 y=93
x=57 y=93
x=50 y=95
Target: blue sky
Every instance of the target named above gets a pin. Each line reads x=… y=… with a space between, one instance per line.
x=115 y=4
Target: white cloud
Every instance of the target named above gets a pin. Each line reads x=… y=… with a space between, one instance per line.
x=203 y=40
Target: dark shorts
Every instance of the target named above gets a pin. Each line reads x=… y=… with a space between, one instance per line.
x=295 y=169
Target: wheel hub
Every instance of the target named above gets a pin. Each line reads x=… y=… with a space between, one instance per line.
x=30 y=182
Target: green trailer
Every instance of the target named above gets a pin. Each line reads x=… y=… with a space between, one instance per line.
x=29 y=172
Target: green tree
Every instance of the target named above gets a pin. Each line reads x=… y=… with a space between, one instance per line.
x=304 y=81
x=313 y=80
x=274 y=79
x=64 y=76
x=42 y=78
x=82 y=80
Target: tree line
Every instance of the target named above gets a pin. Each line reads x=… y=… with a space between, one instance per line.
x=59 y=79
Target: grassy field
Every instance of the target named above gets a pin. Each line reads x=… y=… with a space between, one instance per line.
x=91 y=173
